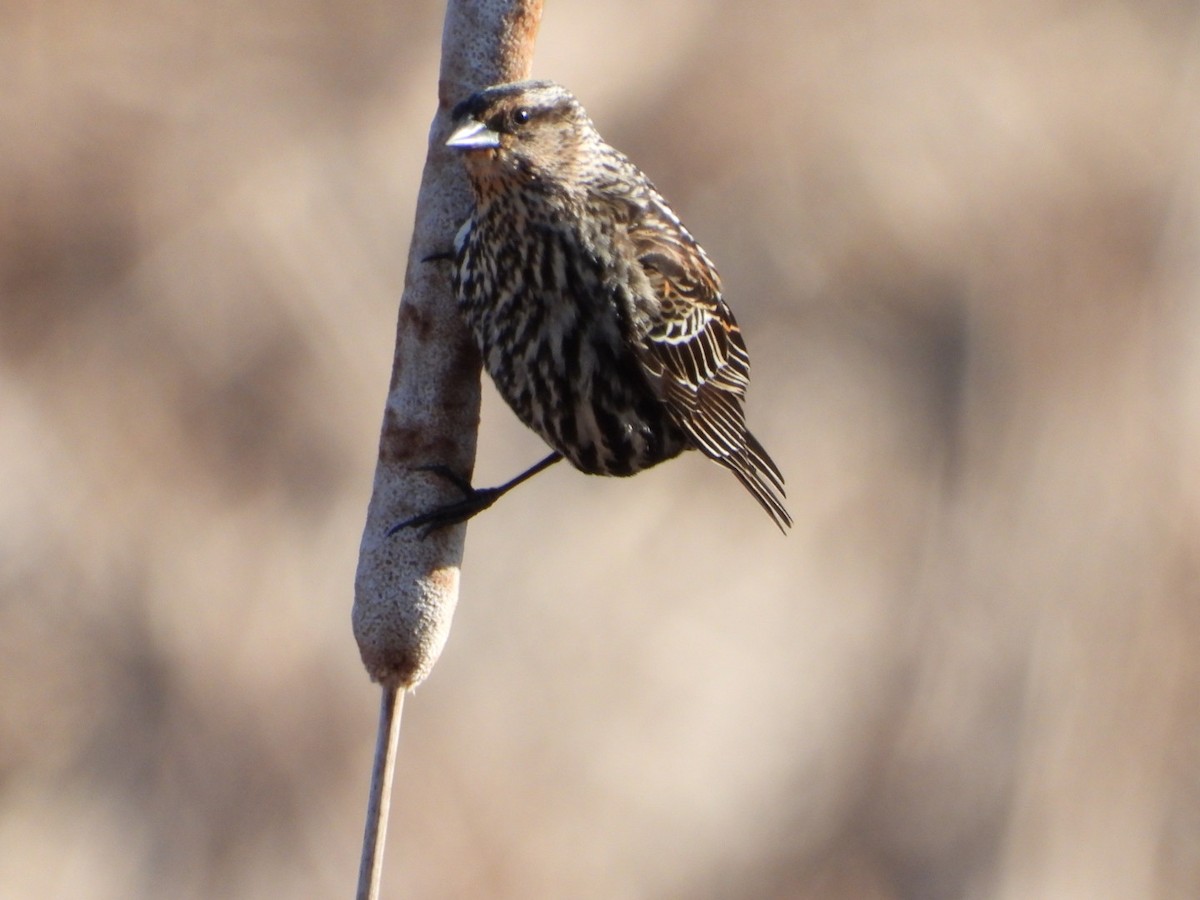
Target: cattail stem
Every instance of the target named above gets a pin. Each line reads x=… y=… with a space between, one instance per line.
x=406 y=587
x=379 y=800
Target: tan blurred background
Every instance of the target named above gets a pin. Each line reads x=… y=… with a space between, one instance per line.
x=964 y=242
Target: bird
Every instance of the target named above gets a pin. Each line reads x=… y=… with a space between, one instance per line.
x=600 y=319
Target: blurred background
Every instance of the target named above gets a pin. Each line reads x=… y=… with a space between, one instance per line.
x=963 y=240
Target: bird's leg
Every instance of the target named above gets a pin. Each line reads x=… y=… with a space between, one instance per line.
x=473 y=502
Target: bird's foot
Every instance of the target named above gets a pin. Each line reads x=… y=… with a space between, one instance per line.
x=473 y=502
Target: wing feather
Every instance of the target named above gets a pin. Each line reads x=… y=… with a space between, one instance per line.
x=693 y=347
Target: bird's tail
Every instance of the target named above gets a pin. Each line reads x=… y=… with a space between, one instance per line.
x=756 y=470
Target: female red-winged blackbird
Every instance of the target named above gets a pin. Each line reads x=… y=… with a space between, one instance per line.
x=598 y=315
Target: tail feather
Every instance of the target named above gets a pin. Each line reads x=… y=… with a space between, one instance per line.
x=763 y=462
x=760 y=476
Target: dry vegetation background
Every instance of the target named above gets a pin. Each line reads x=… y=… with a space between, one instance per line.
x=964 y=242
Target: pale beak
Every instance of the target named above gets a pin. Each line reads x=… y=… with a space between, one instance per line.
x=473 y=135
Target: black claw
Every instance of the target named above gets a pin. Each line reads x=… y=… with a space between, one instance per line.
x=473 y=502
x=440 y=256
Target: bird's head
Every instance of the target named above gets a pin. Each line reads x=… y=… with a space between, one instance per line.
x=531 y=131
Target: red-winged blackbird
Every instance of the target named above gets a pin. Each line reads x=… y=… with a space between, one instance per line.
x=598 y=315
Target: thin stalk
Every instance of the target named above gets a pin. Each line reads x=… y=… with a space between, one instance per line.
x=379 y=800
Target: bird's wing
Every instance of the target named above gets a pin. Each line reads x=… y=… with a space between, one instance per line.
x=692 y=346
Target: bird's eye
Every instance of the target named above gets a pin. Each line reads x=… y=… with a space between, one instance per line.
x=521 y=115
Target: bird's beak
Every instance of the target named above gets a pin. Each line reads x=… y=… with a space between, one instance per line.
x=473 y=135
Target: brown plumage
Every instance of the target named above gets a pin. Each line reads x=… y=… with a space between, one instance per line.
x=597 y=314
